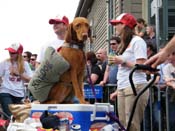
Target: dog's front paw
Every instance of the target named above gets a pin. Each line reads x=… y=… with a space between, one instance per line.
x=84 y=102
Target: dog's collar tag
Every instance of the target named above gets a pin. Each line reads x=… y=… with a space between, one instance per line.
x=75 y=46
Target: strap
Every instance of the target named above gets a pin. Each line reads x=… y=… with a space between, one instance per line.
x=116 y=119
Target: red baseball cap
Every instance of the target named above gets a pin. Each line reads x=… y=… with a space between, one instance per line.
x=125 y=18
x=57 y=20
x=15 y=48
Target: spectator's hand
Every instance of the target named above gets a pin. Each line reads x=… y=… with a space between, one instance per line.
x=102 y=83
x=113 y=96
x=173 y=86
x=169 y=80
x=115 y=59
x=14 y=71
x=157 y=59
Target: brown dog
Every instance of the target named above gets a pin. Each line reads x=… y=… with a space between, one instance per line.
x=71 y=82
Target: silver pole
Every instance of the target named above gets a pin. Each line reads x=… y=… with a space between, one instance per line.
x=167 y=110
x=160 y=109
x=157 y=24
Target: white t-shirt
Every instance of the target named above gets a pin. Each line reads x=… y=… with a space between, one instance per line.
x=55 y=44
x=136 y=50
x=11 y=84
x=168 y=71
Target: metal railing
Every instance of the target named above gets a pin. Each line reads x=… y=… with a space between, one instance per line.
x=159 y=107
x=102 y=93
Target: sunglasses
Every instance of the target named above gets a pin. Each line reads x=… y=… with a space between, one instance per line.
x=32 y=59
x=12 y=53
x=57 y=23
x=113 y=43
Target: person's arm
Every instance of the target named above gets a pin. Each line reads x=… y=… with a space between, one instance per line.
x=131 y=64
x=139 y=51
x=119 y=60
x=170 y=47
x=23 y=76
x=95 y=73
x=94 y=78
x=162 y=56
x=40 y=56
x=141 y=34
x=170 y=82
x=113 y=95
x=27 y=75
x=106 y=75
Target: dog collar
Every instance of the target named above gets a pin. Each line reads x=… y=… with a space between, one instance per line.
x=75 y=46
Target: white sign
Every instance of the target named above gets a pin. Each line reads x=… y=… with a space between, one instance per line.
x=154 y=5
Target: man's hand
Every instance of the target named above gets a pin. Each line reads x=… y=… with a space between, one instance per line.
x=157 y=59
x=162 y=55
x=102 y=83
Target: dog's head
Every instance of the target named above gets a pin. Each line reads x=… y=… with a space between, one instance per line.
x=78 y=31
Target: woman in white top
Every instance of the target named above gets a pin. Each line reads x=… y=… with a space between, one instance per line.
x=132 y=51
x=14 y=72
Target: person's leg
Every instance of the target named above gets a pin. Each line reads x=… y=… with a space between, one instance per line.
x=171 y=104
x=112 y=89
x=6 y=99
x=140 y=107
x=129 y=104
x=147 y=119
x=121 y=107
x=17 y=100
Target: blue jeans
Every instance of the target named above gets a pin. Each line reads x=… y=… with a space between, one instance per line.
x=171 y=105
x=6 y=99
x=171 y=110
x=161 y=106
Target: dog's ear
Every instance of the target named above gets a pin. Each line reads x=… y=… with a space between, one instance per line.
x=68 y=36
x=89 y=32
x=90 y=35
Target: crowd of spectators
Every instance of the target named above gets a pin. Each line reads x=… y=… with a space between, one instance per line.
x=166 y=79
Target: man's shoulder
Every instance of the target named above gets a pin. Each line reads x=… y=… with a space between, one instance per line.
x=53 y=43
x=58 y=41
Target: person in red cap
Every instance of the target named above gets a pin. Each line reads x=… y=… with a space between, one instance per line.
x=60 y=25
x=14 y=72
x=132 y=50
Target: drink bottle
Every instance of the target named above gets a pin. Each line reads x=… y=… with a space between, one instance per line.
x=110 y=56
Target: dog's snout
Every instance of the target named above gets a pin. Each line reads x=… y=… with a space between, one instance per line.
x=85 y=36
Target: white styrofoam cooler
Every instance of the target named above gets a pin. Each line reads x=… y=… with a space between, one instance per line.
x=89 y=116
